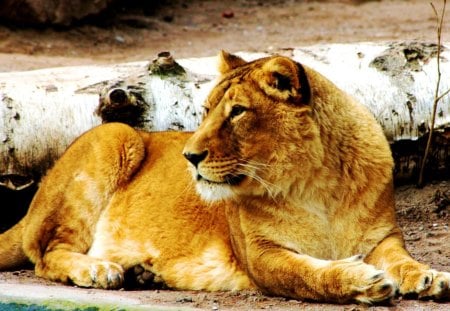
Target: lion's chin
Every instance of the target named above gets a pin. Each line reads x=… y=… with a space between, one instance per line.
x=213 y=192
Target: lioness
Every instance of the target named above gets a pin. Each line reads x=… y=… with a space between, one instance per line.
x=287 y=189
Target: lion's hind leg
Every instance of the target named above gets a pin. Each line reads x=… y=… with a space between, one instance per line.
x=62 y=218
x=141 y=276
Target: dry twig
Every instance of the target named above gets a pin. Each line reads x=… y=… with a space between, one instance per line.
x=437 y=97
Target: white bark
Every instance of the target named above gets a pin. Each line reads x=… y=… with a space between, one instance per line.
x=42 y=111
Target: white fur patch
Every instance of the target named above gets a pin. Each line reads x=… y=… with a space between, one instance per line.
x=211 y=192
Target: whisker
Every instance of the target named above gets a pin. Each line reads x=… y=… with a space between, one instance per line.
x=269 y=187
x=254 y=163
x=254 y=166
x=249 y=166
x=190 y=186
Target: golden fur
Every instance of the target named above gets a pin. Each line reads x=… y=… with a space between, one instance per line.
x=289 y=190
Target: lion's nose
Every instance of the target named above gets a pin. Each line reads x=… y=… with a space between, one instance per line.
x=195 y=158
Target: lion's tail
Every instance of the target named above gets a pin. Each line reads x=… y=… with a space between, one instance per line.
x=11 y=251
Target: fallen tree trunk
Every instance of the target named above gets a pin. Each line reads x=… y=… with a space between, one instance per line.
x=42 y=111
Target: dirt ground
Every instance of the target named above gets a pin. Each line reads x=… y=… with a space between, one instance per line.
x=202 y=28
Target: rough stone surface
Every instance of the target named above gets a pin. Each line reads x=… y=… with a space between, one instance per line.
x=57 y=12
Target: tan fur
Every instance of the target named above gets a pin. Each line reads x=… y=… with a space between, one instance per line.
x=289 y=191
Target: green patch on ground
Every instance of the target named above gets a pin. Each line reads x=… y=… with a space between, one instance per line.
x=65 y=305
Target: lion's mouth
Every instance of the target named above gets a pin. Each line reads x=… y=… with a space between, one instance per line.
x=231 y=180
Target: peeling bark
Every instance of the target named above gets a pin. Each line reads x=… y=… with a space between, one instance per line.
x=42 y=111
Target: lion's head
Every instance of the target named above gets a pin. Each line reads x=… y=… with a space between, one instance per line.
x=258 y=133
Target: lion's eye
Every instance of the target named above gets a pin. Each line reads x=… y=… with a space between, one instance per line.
x=237 y=110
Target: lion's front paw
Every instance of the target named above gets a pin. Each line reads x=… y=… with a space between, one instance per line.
x=363 y=282
x=426 y=283
x=107 y=275
x=98 y=274
x=375 y=290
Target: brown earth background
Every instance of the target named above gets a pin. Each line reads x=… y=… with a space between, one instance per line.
x=138 y=30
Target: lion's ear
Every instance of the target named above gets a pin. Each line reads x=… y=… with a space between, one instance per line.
x=285 y=79
x=229 y=62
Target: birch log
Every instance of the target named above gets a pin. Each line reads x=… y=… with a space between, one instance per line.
x=42 y=111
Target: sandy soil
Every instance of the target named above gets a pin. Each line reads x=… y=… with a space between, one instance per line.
x=202 y=28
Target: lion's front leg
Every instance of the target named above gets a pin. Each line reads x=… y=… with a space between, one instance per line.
x=413 y=278
x=82 y=270
x=279 y=271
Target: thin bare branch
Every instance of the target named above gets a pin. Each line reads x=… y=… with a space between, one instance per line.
x=440 y=20
x=443 y=95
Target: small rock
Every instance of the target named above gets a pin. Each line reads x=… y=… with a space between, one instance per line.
x=228 y=14
x=168 y=18
x=185 y=299
x=119 y=39
x=412 y=238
